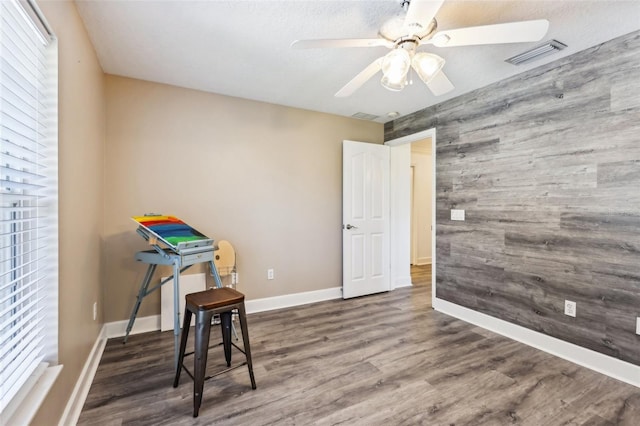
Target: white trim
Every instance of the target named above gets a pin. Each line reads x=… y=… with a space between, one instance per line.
x=152 y=323
x=612 y=367
x=290 y=300
x=434 y=177
x=423 y=261
x=30 y=397
x=76 y=401
x=141 y=325
x=430 y=133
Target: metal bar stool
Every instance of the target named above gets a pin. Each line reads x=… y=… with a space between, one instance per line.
x=205 y=304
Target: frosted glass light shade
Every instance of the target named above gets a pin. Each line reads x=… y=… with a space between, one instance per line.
x=427 y=65
x=395 y=66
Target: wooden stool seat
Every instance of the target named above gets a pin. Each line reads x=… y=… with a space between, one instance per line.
x=207 y=300
x=205 y=304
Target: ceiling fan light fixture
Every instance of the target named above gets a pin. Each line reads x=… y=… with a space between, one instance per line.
x=395 y=66
x=427 y=65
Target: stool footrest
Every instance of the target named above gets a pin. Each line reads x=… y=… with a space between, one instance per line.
x=226 y=370
x=219 y=344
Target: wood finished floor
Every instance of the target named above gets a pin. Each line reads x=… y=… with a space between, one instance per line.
x=386 y=359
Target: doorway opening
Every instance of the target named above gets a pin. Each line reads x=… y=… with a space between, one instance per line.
x=413 y=238
x=421 y=200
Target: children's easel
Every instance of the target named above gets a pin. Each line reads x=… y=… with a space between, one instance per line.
x=177 y=244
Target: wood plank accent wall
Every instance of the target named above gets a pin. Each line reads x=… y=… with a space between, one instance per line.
x=547 y=166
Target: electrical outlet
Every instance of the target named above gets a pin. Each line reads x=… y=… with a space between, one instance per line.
x=638 y=325
x=95 y=310
x=457 y=214
x=270 y=274
x=570 y=308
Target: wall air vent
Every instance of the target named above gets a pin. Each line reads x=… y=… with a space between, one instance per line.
x=363 y=116
x=548 y=48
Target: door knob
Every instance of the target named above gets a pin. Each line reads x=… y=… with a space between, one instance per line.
x=349 y=226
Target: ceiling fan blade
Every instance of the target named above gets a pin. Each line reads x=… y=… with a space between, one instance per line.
x=360 y=79
x=511 y=32
x=345 y=42
x=420 y=14
x=440 y=84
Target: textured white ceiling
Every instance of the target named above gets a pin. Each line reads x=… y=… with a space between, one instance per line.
x=241 y=48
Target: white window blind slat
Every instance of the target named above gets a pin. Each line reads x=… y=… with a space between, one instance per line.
x=9 y=185
x=25 y=209
x=11 y=82
x=14 y=80
x=13 y=174
x=31 y=352
x=14 y=322
x=9 y=160
x=23 y=246
x=28 y=198
x=21 y=232
x=11 y=94
x=20 y=337
x=11 y=286
x=24 y=116
x=25 y=129
x=25 y=298
x=30 y=95
x=11 y=294
x=22 y=61
x=32 y=357
x=21 y=221
x=17 y=149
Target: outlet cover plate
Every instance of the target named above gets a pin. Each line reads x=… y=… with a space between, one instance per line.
x=457 y=214
x=570 y=308
x=638 y=325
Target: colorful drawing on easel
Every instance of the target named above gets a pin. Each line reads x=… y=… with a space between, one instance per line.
x=169 y=229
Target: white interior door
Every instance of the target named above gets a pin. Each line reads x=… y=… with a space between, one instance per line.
x=365 y=219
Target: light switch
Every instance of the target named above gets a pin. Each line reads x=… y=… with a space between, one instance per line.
x=457 y=214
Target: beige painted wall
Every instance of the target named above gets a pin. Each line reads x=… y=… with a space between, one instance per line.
x=81 y=192
x=265 y=177
x=421 y=235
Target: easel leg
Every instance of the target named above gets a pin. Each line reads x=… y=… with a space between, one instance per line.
x=141 y=294
x=218 y=281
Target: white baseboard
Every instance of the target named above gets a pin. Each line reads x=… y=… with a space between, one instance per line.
x=423 y=261
x=612 y=367
x=152 y=323
x=290 y=300
x=141 y=325
x=402 y=282
x=74 y=406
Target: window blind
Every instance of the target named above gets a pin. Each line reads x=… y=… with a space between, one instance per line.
x=28 y=198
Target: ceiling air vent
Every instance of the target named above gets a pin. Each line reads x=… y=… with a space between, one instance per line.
x=363 y=116
x=537 y=52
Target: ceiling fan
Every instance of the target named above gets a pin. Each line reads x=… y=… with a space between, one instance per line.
x=418 y=28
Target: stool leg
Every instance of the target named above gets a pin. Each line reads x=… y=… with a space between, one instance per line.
x=245 y=339
x=225 y=327
x=203 y=332
x=186 y=325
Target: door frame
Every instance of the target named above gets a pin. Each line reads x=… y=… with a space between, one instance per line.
x=401 y=243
